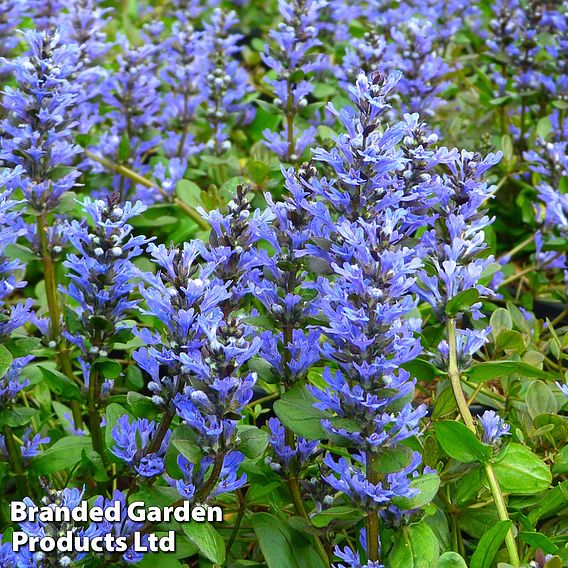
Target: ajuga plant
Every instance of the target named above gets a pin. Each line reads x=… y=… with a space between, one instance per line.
x=319 y=318
x=10 y=15
x=226 y=80
x=290 y=55
x=101 y=274
x=359 y=228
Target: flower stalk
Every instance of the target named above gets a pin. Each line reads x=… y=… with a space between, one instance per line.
x=463 y=407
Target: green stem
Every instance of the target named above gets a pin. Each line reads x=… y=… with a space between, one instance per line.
x=373 y=517
x=520 y=246
x=517 y=275
x=455 y=375
x=94 y=416
x=15 y=458
x=54 y=310
x=237 y=525
x=502 y=513
x=290 y=123
x=455 y=379
x=137 y=178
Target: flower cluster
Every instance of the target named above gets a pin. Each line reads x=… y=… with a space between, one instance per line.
x=101 y=274
x=493 y=427
x=359 y=228
x=10 y=16
x=226 y=81
x=133 y=441
x=13 y=316
x=291 y=58
x=40 y=116
x=134 y=104
x=194 y=364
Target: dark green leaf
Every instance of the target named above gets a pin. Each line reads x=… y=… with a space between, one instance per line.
x=296 y=411
x=445 y=403
x=490 y=370
x=185 y=442
x=142 y=406
x=521 y=472
x=427 y=484
x=108 y=368
x=538 y=540
x=460 y=443
x=282 y=546
x=253 y=440
x=61 y=385
x=208 y=541
x=392 y=459
x=341 y=514
x=16 y=416
x=414 y=546
x=510 y=340
x=65 y=453
x=422 y=370
x=21 y=346
x=462 y=302
x=489 y=545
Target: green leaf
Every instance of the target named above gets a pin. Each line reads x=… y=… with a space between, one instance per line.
x=253 y=440
x=489 y=545
x=282 y=546
x=462 y=302
x=16 y=416
x=20 y=252
x=60 y=384
x=427 y=484
x=445 y=403
x=451 y=560
x=538 y=540
x=335 y=515
x=489 y=370
x=108 y=368
x=65 y=453
x=561 y=462
x=297 y=412
x=422 y=370
x=229 y=188
x=521 y=472
x=185 y=442
x=415 y=546
x=5 y=360
x=142 y=406
x=208 y=541
x=510 y=340
x=543 y=127
x=507 y=147
x=460 y=443
x=189 y=192
x=112 y=414
x=540 y=399
x=21 y=346
x=392 y=459
x=501 y=320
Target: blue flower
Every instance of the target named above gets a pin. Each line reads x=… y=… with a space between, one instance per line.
x=131 y=442
x=40 y=118
x=494 y=427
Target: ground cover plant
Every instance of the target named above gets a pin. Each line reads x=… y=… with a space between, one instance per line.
x=305 y=260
